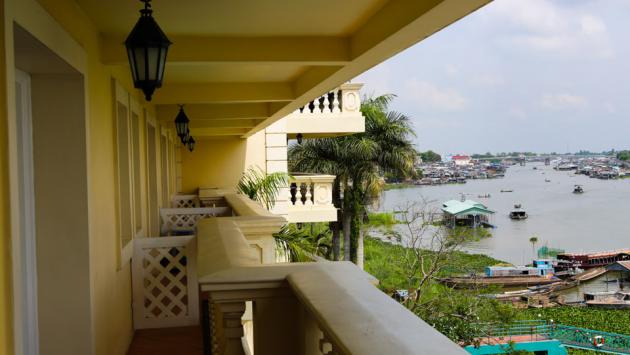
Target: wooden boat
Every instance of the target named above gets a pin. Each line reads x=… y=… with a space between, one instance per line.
x=578 y=189
x=517 y=213
x=506 y=281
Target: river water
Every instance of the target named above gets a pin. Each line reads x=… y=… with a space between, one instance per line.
x=597 y=220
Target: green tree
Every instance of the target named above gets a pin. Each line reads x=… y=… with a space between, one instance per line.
x=358 y=162
x=430 y=156
x=533 y=240
x=623 y=155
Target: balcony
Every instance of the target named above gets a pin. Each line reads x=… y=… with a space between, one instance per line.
x=337 y=112
x=310 y=199
x=250 y=304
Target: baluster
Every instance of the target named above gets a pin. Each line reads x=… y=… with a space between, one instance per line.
x=336 y=108
x=231 y=313
x=309 y=195
x=302 y=193
x=310 y=108
x=318 y=105
x=293 y=191
x=326 y=104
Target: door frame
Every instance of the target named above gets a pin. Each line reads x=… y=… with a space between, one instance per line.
x=25 y=250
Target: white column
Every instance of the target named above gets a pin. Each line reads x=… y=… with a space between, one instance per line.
x=276 y=161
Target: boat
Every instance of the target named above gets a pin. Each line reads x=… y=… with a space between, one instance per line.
x=610 y=300
x=541 y=273
x=505 y=281
x=547 y=180
x=484 y=196
x=517 y=213
x=578 y=189
x=507 y=190
x=592 y=260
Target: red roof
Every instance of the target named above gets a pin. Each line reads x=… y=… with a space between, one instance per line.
x=461 y=157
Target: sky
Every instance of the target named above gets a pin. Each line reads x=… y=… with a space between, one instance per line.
x=517 y=75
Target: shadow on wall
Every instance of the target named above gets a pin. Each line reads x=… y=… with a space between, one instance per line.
x=220 y=161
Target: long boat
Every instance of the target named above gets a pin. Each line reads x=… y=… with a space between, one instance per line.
x=591 y=260
x=508 y=281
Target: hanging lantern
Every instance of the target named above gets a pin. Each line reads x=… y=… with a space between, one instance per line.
x=181 y=124
x=191 y=143
x=147 y=46
x=186 y=137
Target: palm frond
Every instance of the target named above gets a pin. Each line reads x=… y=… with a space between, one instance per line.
x=262 y=187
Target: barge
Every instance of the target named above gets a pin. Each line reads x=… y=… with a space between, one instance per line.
x=592 y=260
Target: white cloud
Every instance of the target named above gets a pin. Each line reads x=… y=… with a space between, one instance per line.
x=544 y=25
x=563 y=101
x=429 y=95
x=610 y=108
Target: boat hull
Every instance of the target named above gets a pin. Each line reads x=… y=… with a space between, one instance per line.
x=508 y=281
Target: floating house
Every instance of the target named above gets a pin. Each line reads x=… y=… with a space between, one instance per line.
x=467 y=213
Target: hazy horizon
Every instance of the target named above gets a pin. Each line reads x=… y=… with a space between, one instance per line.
x=536 y=75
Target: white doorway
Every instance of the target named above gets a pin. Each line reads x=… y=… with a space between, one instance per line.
x=25 y=272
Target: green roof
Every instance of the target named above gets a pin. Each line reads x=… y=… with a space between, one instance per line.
x=456 y=207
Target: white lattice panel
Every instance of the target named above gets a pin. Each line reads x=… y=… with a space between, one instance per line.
x=165 y=288
x=177 y=220
x=185 y=201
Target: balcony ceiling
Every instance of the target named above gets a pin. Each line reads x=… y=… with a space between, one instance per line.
x=240 y=65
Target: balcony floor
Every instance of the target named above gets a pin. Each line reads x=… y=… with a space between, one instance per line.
x=167 y=341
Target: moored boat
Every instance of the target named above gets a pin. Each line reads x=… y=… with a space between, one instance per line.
x=578 y=189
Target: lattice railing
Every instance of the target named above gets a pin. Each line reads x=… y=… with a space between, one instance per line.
x=185 y=201
x=184 y=220
x=165 y=289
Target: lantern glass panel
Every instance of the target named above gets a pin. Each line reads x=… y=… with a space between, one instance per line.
x=140 y=61
x=132 y=63
x=153 y=56
x=161 y=65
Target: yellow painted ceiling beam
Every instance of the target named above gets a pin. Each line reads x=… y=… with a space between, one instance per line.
x=397 y=26
x=198 y=133
x=186 y=49
x=195 y=93
x=194 y=123
x=254 y=110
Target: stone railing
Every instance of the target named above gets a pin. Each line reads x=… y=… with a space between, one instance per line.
x=318 y=308
x=338 y=111
x=310 y=198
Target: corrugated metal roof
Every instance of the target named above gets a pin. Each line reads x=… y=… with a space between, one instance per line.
x=456 y=207
x=619 y=266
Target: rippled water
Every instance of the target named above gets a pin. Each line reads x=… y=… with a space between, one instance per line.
x=598 y=219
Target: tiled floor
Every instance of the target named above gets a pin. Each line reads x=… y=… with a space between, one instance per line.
x=167 y=341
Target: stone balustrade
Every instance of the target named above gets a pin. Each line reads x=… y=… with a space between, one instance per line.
x=310 y=199
x=320 y=308
x=335 y=112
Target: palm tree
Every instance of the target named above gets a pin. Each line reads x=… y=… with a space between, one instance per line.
x=533 y=240
x=358 y=161
x=261 y=187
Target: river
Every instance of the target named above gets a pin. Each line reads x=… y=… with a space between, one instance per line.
x=597 y=220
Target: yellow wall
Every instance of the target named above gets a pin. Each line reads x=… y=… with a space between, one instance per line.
x=220 y=162
x=110 y=284
x=6 y=334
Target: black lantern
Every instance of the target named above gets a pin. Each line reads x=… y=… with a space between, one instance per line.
x=147 y=46
x=191 y=143
x=181 y=124
x=299 y=137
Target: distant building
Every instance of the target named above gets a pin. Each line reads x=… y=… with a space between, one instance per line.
x=461 y=160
